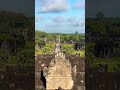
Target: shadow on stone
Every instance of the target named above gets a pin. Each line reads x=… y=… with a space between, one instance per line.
x=43 y=79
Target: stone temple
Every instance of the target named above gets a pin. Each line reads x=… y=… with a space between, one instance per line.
x=59 y=70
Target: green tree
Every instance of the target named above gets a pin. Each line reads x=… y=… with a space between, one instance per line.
x=99 y=15
x=46 y=50
x=68 y=49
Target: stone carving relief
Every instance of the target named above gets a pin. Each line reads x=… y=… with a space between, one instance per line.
x=59 y=73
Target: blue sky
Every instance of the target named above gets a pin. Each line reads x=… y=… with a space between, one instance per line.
x=60 y=16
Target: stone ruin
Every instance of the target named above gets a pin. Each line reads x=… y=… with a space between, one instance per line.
x=60 y=70
x=59 y=73
x=54 y=71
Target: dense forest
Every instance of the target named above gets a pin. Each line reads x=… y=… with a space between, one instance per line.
x=16 y=40
x=70 y=43
x=103 y=42
x=65 y=38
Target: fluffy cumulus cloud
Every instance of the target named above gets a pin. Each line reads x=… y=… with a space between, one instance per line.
x=69 y=20
x=53 y=5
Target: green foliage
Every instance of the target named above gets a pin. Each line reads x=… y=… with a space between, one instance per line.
x=12 y=60
x=81 y=52
x=70 y=38
x=111 y=67
x=65 y=38
x=104 y=29
x=52 y=46
x=39 y=51
x=12 y=26
x=46 y=50
x=25 y=57
x=99 y=15
x=3 y=55
x=68 y=48
x=4 y=37
x=3 y=69
x=29 y=45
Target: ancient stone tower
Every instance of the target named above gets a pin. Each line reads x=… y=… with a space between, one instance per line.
x=59 y=72
x=58 y=44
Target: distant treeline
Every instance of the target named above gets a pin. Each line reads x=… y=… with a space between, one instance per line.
x=65 y=38
x=101 y=25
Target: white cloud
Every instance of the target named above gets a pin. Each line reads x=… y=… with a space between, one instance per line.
x=53 y=5
x=79 y=4
x=39 y=18
x=76 y=22
x=59 y=19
